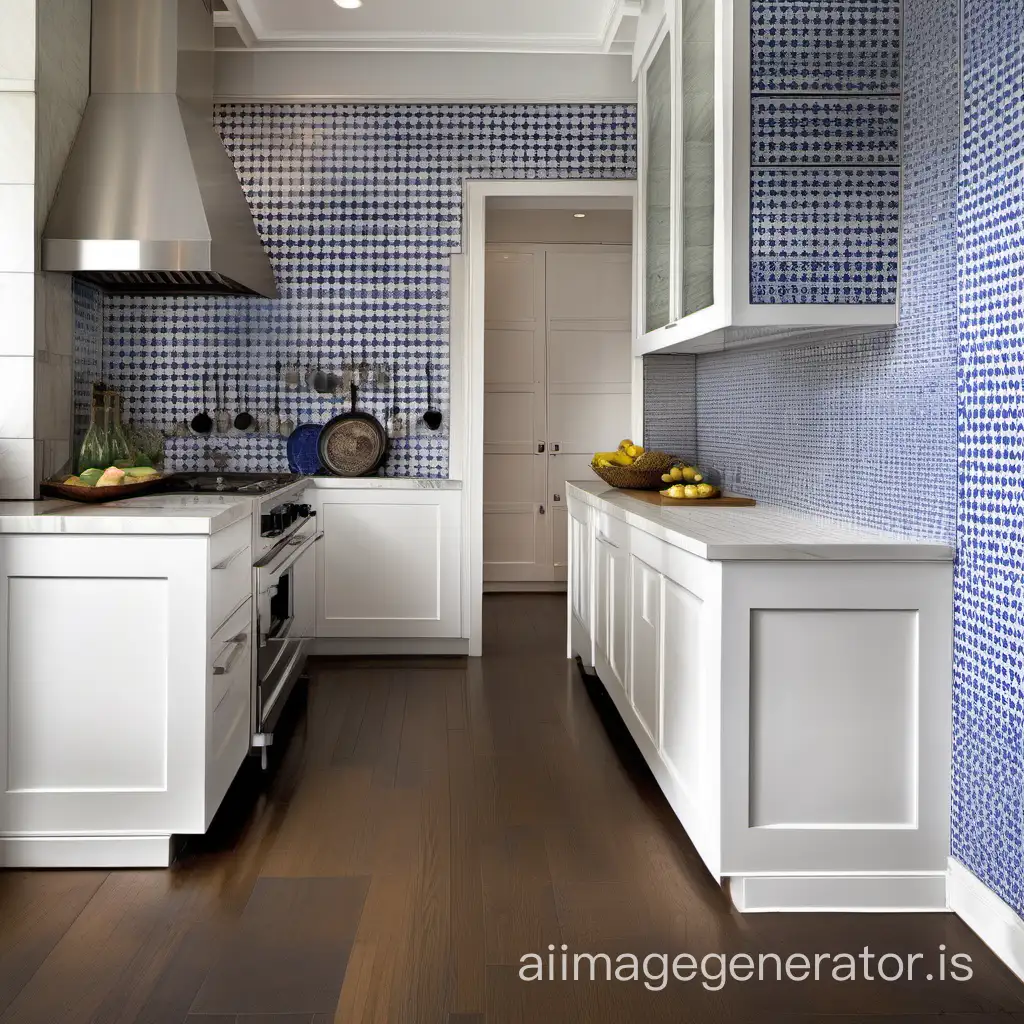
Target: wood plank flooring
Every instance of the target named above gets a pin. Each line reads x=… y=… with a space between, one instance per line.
x=431 y=821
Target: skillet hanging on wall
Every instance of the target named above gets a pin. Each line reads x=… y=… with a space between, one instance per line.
x=354 y=443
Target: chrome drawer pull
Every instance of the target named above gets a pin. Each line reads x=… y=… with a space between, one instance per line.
x=237 y=642
x=227 y=561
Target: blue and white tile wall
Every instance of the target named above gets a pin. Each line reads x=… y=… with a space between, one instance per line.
x=988 y=729
x=88 y=353
x=865 y=430
x=825 y=151
x=360 y=207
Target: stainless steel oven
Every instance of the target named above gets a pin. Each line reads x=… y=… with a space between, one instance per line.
x=284 y=585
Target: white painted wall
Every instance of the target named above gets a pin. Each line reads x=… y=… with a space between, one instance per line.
x=424 y=77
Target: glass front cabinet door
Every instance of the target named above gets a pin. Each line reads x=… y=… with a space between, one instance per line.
x=770 y=152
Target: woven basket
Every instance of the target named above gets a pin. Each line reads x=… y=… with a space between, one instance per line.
x=629 y=478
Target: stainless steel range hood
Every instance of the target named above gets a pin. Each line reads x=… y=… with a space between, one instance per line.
x=149 y=202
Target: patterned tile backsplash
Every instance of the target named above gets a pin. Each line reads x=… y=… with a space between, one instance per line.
x=865 y=430
x=360 y=207
x=988 y=707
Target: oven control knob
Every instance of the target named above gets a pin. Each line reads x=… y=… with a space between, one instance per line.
x=304 y=511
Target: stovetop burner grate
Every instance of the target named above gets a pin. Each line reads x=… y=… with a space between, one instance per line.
x=231 y=483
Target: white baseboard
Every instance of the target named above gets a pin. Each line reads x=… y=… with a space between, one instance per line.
x=995 y=921
x=355 y=646
x=86 y=851
x=849 y=893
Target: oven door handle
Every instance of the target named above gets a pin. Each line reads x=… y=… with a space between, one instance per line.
x=237 y=644
x=281 y=635
x=293 y=550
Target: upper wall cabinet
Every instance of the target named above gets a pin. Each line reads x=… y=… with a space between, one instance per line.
x=770 y=171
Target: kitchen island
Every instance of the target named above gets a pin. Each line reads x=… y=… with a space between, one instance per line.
x=125 y=670
x=787 y=679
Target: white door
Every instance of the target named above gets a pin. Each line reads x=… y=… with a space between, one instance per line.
x=589 y=364
x=517 y=535
x=558 y=386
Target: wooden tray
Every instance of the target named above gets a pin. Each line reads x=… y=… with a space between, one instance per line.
x=725 y=501
x=95 y=495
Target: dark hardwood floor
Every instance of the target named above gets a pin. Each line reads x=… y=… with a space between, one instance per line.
x=430 y=822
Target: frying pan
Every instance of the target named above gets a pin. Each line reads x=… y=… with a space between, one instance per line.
x=354 y=443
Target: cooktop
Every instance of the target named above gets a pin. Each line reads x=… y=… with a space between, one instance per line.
x=231 y=483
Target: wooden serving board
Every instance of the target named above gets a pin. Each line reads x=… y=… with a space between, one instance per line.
x=725 y=501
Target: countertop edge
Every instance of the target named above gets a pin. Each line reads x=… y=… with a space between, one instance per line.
x=889 y=548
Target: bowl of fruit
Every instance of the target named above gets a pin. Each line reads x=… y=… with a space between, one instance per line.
x=110 y=484
x=632 y=467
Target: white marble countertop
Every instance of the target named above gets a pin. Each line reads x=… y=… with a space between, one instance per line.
x=762 y=532
x=157 y=514
x=383 y=483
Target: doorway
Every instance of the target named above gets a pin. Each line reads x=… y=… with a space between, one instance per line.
x=558 y=302
x=469 y=271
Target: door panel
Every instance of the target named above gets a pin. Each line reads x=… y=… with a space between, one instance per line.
x=509 y=421
x=683 y=714
x=510 y=356
x=517 y=535
x=588 y=423
x=645 y=659
x=590 y=283
x=589 y=355
x=511 y=285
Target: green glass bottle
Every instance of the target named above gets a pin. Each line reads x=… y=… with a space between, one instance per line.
x=95 y=450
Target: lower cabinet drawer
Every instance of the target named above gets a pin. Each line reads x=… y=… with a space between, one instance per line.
x=230 y=571
x=230 y=670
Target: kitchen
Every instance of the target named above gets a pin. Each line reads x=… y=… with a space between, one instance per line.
x=799 y=330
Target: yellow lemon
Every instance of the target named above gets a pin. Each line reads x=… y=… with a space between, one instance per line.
x=705 y=491
x=677 y=473
x=690 y=491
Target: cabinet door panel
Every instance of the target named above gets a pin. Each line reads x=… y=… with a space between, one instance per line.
x=589 y=355
x=579 y=540
x=683 y=713
x=645 y=674
x=389 y=568
x=612 y=583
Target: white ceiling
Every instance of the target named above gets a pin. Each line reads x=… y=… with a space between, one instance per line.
x=524 y=26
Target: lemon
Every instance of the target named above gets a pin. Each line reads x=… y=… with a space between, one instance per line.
x=705 y=491
x=667 y=477
x=690 y=491
x=623 y=445
x=677 y=473
x=688 y=473
x=697 y=478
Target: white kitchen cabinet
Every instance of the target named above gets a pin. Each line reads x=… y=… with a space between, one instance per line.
x=770 y=170
x=788 y=683
x=125 y=681
x=645 y=647
x=389 y=563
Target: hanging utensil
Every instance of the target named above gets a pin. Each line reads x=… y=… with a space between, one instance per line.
x=202 y=423
x=244 y=421
x=274 y=426
x=222 y=417
x=321 y=382
x=396 y=421
x=365 y=371
x=287 y=425
x=432 y=417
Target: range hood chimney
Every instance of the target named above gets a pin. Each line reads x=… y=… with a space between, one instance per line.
x=149 y=202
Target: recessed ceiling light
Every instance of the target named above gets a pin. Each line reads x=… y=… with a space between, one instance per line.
x=349 y=4
x=579 y=216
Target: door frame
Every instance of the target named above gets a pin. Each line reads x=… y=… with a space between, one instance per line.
x=466 y=452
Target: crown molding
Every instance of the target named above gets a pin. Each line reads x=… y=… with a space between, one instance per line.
x=619 y=12
x=243 y=15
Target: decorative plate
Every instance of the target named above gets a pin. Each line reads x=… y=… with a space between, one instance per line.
x=304 y=450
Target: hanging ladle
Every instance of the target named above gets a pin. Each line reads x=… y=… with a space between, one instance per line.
x=432 y=417
x=244 y=420
x=202 y=422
